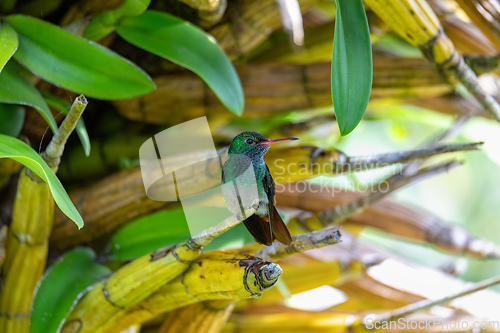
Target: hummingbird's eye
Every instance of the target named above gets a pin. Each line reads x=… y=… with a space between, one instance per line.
x=249 y=141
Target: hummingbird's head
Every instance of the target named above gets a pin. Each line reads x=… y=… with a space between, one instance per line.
x=253 y=144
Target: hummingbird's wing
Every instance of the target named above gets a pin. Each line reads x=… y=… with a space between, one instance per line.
x=258 y=227
x=278 y=228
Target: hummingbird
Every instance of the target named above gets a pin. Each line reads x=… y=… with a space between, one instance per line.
x=247 y=150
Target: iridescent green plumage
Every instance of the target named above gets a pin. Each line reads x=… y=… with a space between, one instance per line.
x=250 y=178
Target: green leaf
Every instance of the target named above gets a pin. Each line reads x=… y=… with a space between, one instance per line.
x=64 y=107
x=169 y=227
x=19 y=151
x=8 y=43
x=149 y=233
x=181 y=42
x=11 y=119
x=352 y=68
x=15 y=89
x=62 y=285
x=75 y=63
x=104 y=24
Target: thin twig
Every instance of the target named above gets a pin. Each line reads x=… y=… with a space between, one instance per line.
x=300 y=243
x=341 y=212
x=426 y=303
x=55 y=149
x=468 y=78
x=206 y=236
x=376 y=161
x=448 y=133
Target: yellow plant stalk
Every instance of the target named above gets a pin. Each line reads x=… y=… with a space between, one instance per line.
x=128 y=286
x=285 y=320
x=201 y=317
x=319 y=273
x=298 y=86
x=27 y=246
x=8 y=167
x=3 y=238
x=138 y=279
x=210 y=12
x=215 y=275
x=27 y=241
x=250 y=23
x=415 y=21
x=481 y=16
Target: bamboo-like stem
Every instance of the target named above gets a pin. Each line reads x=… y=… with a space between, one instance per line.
x=210 y=12
x=341 y=212
x=300 y=87
x=301 y=243
x=468 y=78
x=489 y=27
x=427 y=303
x=55 y=149
x=137 y=280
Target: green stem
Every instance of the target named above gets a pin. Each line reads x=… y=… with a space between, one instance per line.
x=55 y=149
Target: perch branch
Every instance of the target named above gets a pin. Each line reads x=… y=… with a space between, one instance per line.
x=300 y=243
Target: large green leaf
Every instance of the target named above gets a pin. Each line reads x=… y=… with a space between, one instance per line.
x=169 y=227
x=75 y=63
x=149 y=233
x=11 y=119
x=352 y=68
x=14 y=89
x=8 y=43
x=181 y=42
x=19 y=151
x=62 y=285
x=64 y=107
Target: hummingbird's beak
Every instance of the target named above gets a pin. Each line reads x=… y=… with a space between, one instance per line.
x=270 y=142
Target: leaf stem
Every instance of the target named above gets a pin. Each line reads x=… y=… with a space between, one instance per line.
x=55 y=149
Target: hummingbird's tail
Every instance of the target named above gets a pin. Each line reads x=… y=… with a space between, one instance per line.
x=261 y=231
x=259 y=228
x=280 y=231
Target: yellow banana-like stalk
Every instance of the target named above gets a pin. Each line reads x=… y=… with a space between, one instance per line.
x=3 y=238
x=8 y=167
x=416 y=22
x=216 y=275
x=27 y=246
x=319 y=273
x=27 y=241
x=201 y=317
x=129 y=285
